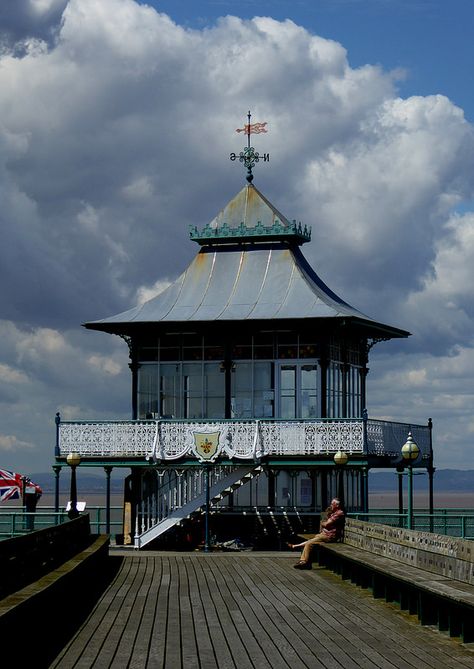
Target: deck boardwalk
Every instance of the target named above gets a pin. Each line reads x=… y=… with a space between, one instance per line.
x=242 y=610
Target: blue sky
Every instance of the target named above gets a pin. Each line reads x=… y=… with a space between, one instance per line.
x=116 y=122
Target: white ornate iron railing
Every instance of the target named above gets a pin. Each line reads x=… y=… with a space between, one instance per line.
x=169 y=440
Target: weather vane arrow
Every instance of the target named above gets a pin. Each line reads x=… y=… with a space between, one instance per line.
x=249 y=156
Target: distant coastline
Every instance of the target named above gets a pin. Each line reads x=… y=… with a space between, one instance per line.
x=453 y=489
x=445 y=480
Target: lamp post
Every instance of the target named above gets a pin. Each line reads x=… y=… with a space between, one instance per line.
x=73 y=460
x=410 y=452
x=340 y=459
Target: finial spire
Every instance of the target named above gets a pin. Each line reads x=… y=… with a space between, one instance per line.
x=249 y=156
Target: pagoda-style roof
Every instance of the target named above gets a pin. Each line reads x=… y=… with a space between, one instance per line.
x=249 y=216
x=250 y=268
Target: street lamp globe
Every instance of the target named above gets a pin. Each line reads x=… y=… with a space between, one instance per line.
x=340 y=458
x=73 y=459
x=410 y=450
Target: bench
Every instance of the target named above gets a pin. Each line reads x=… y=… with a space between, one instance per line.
x=429 y=575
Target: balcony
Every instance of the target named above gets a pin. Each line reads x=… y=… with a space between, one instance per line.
x=245 y=440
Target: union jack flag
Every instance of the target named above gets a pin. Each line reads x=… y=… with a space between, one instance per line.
x=253 y=128
x=11 y=485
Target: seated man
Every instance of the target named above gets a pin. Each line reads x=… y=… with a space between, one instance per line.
x=331 y=530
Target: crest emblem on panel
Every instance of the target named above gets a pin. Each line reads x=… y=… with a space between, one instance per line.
x=206 y=445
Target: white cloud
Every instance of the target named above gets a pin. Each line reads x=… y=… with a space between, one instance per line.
x=9 y=442
x=115 y=135
x=145 y=293
x=10 y=375
x=105 y=364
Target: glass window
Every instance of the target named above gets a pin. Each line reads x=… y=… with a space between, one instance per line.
x=334 y=390
x=309 y=391
x=263 y=346
x=192 y=390
x=354 y=409
x=214 y=391
x=169 y=391
x=148 y=391
x=263 y=394
x=242 y=390
x=306 y=492
x=242 y=350
x=213 y=353
x=288 y=345
x=288 y=391
x=308 y=350
x=147 y=353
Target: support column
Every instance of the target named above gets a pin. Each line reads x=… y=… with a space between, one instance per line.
x=131 y=501
x=313 y=475
x=431 y=471
x=207 y=545
x=271 y=487
x=340 y=484
x=57 y=471
x=227 y=365
x=324 y=489
x=344 y=374
x=323 y=364
x=365 y=490
x=108 y=471
x=134 y=367
x=363 y=371
x=410 y=496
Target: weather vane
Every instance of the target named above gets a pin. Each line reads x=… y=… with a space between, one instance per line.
x=249 y=156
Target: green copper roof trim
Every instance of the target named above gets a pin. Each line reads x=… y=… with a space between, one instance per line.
x=278 y=231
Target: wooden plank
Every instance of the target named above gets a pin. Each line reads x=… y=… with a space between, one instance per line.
x=173 y=648
x=205 y=650
x=222 y=611
x=217 y=633
x=274 y=581
x=113 y=651
x=157 y=643
x=440 y=660
x=276 y=649
x=188 y=630
x=86 y=644
x=404 y=641
x=248 y=626
x=242 y=595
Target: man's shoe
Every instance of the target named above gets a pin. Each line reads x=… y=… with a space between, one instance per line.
x=302 y=565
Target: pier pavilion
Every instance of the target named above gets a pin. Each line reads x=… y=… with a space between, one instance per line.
x=248 y=390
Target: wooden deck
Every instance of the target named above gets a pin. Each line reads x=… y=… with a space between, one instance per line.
x=241 y=610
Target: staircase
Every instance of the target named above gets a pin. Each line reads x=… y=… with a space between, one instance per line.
x=226 y=485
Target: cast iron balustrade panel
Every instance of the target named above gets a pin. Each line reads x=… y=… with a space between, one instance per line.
x=172 y=440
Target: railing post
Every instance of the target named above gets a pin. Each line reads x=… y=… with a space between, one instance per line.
x=57 y=420
x=365 y=417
